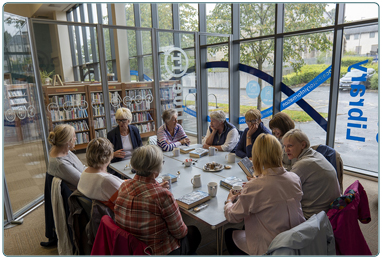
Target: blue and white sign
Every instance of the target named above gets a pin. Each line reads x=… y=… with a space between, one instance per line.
x=253 y=89
x=267 y=95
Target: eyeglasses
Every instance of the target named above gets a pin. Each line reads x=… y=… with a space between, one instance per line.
x=123 y=120
x=251 y=121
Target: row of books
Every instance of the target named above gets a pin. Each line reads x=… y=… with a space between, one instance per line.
x=99 y=122
x=18 y=101
x=75 y=113
x=98 y=110
x=136 y=107
x=142 y=116
x=135 y=92
x=77 y=125
x=82 y=138
x=74 y=99
x=101 y=133
x=97 y=97
x=145 y=127
x=167 y=105
x=16 y=93
x=16 y=108
x=167 y=94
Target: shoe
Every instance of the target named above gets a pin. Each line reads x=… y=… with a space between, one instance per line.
x=51 y=242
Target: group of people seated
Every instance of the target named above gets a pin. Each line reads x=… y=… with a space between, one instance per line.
x=291 y=180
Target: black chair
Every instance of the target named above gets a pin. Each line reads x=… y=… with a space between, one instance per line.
x=50 y=232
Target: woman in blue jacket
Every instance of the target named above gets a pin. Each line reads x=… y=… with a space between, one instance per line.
x=255 y=128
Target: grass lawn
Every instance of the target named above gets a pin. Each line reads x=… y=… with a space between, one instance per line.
x=297 y=116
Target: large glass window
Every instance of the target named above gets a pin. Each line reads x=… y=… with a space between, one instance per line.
x=256 y=93
x=307 y=59
x=165 y=16
x=145 y=15
x=357 y=111
x=129 y=9
x=188 y=15
x=219 y=19
x=24 y=161
x=300 y=16
x=257 y=20
x=357 y=12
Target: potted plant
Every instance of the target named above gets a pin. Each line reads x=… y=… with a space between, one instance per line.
x=45 y=77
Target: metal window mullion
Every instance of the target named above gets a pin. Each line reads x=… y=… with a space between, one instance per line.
x=278 y=59
x=99 y=13
x=233 y=70
x=138 y=38
x=202 y=86
x=105 y=86
x=156 y=67
x=72 y=47
x=176 y=24
x=78 y=42
x=154 y=16
x=335 y=76
x=112 y=45
x=93 y=44
x=7 y=202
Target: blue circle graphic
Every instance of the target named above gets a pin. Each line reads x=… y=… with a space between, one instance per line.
x=253 y=89
x=267 y=95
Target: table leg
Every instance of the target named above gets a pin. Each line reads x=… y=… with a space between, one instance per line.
x=219 y=240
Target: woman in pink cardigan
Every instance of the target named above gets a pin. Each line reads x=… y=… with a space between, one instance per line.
x=268 y=203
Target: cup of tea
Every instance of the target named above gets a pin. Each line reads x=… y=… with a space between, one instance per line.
x=176 y=151
x=167 y=178
x=236 y=189
x=230 y=157
x=212 y=151
x=212 y=188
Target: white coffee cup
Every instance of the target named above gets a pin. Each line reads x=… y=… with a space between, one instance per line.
x=212 y=151
x=176 y=151
x=167 y=178
x=187 y=162
x=236 y=189
x=196 y=181
x=212 y=188
x=230 y=157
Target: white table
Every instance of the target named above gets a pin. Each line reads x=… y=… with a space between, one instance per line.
x=213 y=215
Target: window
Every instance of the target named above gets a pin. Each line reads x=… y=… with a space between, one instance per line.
x=372 y=35
x=165 y=16
x=129 y=9
x=347 y=37
x=188 y=17
x=356 y=36
x=257 y=20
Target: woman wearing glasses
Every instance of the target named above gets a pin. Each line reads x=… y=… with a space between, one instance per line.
x=255 y=128
x=124 y=137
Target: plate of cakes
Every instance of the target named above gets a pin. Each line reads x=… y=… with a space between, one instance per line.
x=213 y=167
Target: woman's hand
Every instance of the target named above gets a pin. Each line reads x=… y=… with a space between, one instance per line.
x=206 y=146
x=252 y=129
x=232 y=197
x=119 y=153
x=185 y=141
x=165 y=184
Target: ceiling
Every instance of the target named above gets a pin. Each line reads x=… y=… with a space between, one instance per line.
x=37 y=10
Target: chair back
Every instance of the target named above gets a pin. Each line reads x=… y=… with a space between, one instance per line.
x=86 y=204
x=335 y=159
x=112 y=240
x=153 y=140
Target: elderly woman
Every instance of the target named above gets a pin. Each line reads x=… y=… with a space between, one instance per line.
x=280 y=124
x=268 y=204
x=171 y=134
x=318 y=176
x=124 y=137
x=62 y=162
x=149 y=211
x=95 y=182
x=255 y=128
x=221 y=134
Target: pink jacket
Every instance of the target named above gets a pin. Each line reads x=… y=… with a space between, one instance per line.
x=112 y=240
x=343 y=216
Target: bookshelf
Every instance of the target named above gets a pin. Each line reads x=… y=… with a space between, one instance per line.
x=167 y=96
x=139 y=98
x=69 y=105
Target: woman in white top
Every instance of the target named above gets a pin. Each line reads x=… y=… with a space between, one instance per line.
x=124 y=137
x=62 y=162
x=221 y=134
x=95 y=182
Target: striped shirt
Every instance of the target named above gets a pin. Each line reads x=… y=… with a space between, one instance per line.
x=168 y=142
x=150 y=213
x=100 y=186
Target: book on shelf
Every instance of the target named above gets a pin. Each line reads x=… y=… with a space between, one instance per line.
x=173 y=178
x=101 y=133
x=192 y=199
x=247 y=166
x=231 y=181
x=186 y=149
x=199 y=152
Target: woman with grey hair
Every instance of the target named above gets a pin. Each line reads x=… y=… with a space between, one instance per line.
x=150 y=212
x=221 y=134
x=171 y=134
x=95 y=182
x=124 y=137
x=318 y=176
